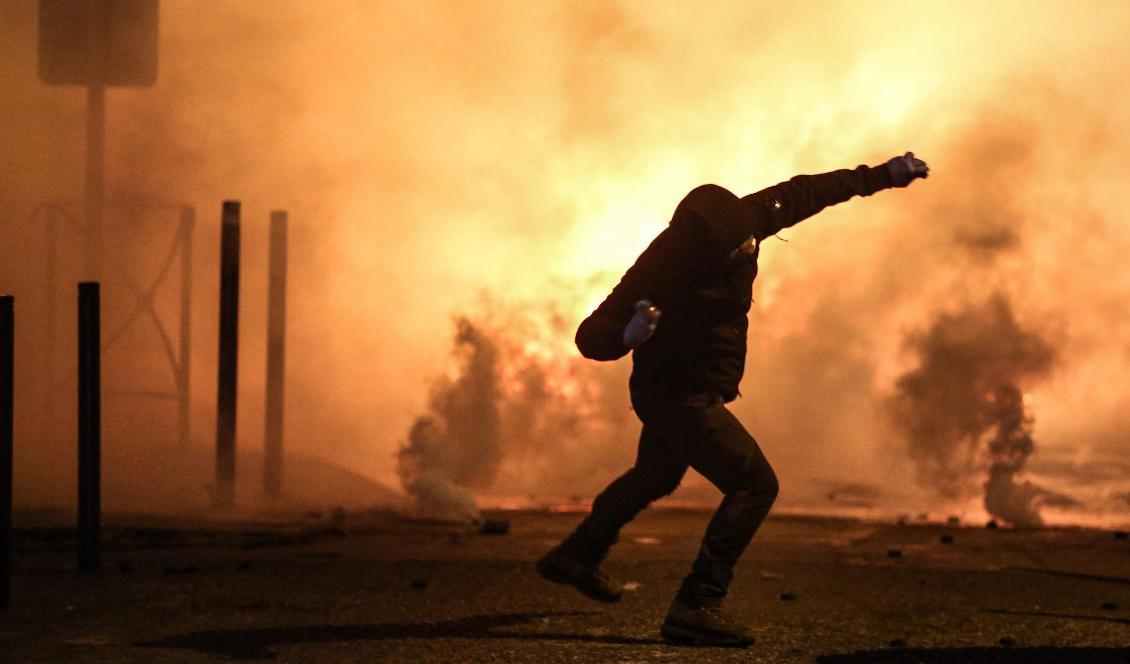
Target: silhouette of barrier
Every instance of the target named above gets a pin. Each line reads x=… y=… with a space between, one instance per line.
x=228 y=356
x=89 y=425
x=276 y=353
x=7 y=357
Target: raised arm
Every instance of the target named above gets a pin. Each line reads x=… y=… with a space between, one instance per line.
x=710 y=223
x=802 y=196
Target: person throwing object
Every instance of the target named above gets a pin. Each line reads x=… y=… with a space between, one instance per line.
x=681 y=308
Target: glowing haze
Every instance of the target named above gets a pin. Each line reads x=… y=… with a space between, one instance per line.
x=440 y=156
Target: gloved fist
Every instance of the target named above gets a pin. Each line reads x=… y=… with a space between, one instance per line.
x=642 y=325
x=904 y=169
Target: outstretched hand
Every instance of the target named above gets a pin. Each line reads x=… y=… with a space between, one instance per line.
x=906 y=168
x=642 y=325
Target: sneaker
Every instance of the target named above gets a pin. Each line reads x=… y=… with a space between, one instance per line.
x=558 y=567
x=704 y=626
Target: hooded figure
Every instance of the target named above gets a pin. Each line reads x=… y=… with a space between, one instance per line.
x=681 y=308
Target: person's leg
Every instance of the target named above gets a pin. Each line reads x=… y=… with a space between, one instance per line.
x=727 y=455
x=576 y=561
x=656 y=473
x=705 y=435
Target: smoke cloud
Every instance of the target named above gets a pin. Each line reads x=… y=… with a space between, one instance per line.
x=431 y=151
x=457 y=447
x=962 y=409
x=516 y=411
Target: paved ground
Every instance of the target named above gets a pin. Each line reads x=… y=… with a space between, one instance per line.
x=377 y=588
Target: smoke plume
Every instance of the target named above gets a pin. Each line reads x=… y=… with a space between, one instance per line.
x=456 y=447
x=516 y=414
x=1007 y=495
x=962 y=408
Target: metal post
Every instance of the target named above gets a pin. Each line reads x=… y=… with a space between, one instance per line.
x=89 y=425
x=95 y=182
x=7 y=336
x=184 y=384
x=228 y=362
x=276 y=356
x=47 y=411
x=98 y=47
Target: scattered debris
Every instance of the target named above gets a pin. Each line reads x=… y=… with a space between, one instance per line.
x=419 y=584
x=788 y=597
x=946 y=539
x=894 y=553
x=495 y=526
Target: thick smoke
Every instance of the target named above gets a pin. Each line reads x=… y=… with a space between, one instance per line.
x=456 y=447
x=427 y=150
x=1006 y=495
x=517 y=415
x=962 y=408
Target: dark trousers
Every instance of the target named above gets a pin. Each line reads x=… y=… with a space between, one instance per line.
x=697 y=432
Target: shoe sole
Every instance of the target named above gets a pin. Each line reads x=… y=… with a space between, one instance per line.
x=687 y=636
x=550 y=573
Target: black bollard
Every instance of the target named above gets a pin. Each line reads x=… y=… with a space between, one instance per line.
x=89 y=426
x=229 y=349
x=276 y=354
x=7 y=337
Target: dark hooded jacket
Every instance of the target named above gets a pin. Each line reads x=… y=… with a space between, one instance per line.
x=702 y=283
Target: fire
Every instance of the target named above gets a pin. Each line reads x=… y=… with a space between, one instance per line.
x=435 y=152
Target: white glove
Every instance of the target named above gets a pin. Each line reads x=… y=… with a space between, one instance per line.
x=642 y=325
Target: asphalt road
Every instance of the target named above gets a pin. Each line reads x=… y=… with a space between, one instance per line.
x=378 y=588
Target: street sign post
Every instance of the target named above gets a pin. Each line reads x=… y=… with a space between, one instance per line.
x=97 y=44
